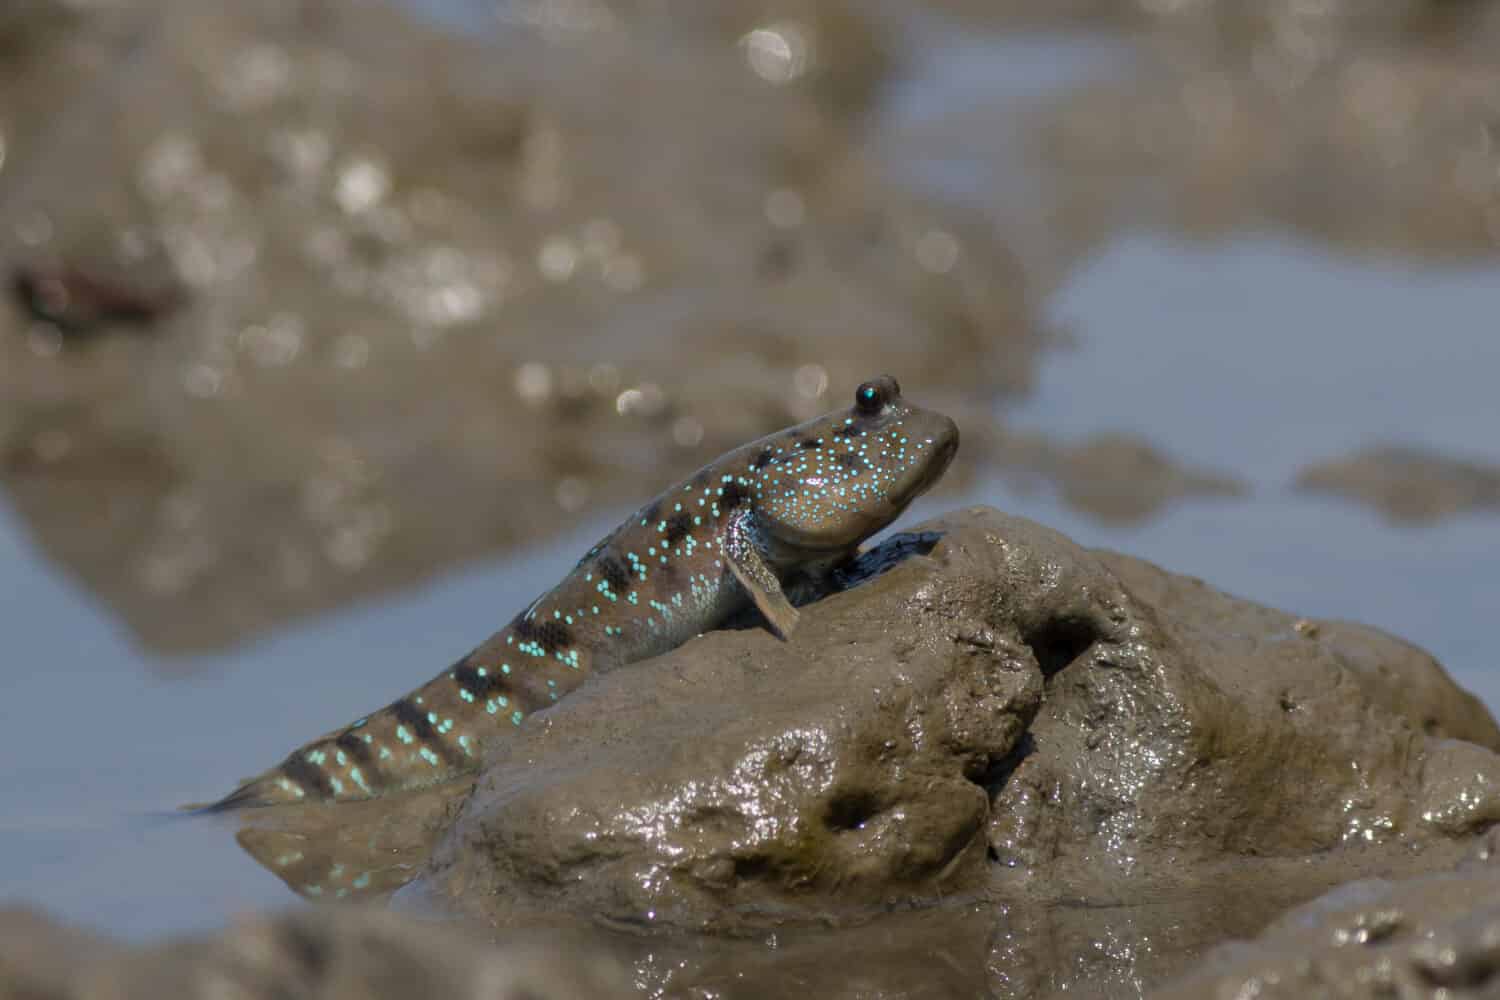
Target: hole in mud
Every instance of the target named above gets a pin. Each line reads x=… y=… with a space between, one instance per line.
x=1059 y=642
x=994 y=777
x=751 y=869
x=850 y=811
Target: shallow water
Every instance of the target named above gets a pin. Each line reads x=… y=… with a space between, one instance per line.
x=1254 y=355
x=1270 y=356
x=88 y=827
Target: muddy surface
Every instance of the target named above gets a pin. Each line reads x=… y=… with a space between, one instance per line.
x=1407 y=484
x=420 y=317
x=1220 y=130
x=1006 y=710
x=1014 y=738
x=353 y=300
x=299 y=237
x=1114 y=477
x=1432 y=935
x=325 y=955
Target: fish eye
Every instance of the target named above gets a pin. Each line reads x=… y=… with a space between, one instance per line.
x=871 y=397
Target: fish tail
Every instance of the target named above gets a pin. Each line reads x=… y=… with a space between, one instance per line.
x=334 y=768
x=428 y=736
x=268 y=789
x=431 y=735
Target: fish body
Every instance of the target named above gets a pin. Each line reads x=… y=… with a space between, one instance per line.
x=791 y=505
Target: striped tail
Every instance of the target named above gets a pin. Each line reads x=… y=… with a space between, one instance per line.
x=431 y=735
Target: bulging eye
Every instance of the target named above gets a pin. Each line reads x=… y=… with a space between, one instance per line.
x=873 y=396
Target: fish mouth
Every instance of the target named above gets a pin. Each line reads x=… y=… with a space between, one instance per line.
x=942 y=457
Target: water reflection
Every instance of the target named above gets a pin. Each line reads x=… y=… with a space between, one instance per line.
x=367 y=849
x=557 y=355
x=350 y=852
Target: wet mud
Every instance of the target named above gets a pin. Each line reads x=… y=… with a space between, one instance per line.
x=473 y=244
x=299 y=236
x=348 y=954
x=989 y=743
x=1407 y=484
x=1432 y=935
x=1356 y=129
x=1020 y=712
x=353 y=301
x=1115 y=478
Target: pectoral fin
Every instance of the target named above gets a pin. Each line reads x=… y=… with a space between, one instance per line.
x=750 y=569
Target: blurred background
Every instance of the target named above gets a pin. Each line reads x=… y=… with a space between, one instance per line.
x=335 y=330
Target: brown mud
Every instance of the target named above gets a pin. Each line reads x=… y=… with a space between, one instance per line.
x=333 y=235
x=1407 y=484
x=990 y=743
x=428 y=316
x=334 y=956
x=1429 y=935
x=351 y=301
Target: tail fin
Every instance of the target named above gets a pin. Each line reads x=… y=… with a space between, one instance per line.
x=262 y=790
x=427 y=737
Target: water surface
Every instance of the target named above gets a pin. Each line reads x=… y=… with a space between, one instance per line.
x=1255 y=355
